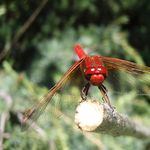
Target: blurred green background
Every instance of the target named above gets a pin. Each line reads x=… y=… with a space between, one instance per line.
x=36 y=49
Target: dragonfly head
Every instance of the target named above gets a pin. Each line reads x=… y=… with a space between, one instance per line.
x=96 y=75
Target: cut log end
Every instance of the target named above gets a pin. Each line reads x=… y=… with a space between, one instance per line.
x=89 y=115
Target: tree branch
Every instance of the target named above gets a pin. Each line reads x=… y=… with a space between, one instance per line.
x=100 y=118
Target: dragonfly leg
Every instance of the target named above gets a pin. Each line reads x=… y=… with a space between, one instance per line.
x=84 y=91
x=104 y=91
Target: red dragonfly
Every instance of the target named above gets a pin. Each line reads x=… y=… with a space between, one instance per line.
x=95 y=69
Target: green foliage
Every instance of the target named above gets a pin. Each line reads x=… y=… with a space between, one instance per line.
x=36 y=59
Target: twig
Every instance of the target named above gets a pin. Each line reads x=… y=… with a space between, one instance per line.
x=4 y=116
x=30 y=20
x=3 y=119
x=22 y=29
x=100 y=118
x=34 y=126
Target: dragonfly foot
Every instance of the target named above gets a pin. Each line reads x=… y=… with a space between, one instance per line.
x=83 y=98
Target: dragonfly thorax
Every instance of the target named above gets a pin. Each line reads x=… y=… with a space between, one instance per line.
x=95 y=75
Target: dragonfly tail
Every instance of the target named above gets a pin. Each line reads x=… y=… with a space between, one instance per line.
x=79 y=51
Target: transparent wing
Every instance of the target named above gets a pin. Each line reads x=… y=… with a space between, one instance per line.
x=126 y=76
x=34 y=112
